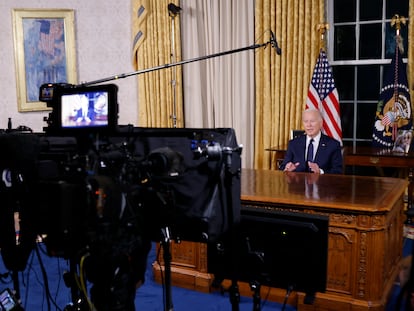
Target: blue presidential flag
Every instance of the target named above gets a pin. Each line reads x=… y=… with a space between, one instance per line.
x=394 y=105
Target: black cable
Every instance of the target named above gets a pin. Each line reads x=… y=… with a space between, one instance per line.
x=49 y=297
x=162 y=276
x=53 y=299
x=265 y=300
x=26 y=284
x=59 y=282
x=45 y=279
x=288 y=292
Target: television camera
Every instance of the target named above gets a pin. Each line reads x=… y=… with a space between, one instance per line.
x=99 y=192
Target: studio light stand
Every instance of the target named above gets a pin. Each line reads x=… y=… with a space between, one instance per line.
x=234 y=288
x=173 y=11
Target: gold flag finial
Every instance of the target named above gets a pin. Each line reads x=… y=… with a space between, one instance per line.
x=396 y=21
x=322 y=28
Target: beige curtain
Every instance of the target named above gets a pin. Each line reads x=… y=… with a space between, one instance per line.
x=219 y=91
x=282 y=81
x=159 y=91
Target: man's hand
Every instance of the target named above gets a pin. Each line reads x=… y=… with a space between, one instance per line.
x=290 y=167
x=314 y=167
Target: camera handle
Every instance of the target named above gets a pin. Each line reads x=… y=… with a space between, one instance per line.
x=165 y=244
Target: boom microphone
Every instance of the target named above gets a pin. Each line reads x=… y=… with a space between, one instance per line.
x=274 y=43
x=173 y=10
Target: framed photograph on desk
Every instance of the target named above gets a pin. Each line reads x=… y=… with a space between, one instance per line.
x=403 y=141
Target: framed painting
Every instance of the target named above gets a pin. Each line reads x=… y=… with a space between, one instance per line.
x=44 y=49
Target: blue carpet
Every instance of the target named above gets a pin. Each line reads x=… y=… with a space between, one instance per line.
x=149 y=297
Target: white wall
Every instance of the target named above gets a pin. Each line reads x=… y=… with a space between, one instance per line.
x=103 y=45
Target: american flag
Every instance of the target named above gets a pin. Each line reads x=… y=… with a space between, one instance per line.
x=323 y=95
x=50 y=33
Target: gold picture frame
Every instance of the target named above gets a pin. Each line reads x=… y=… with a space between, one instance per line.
x=44 y=49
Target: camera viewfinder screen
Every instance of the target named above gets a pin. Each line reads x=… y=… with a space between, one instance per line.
x=86 y=109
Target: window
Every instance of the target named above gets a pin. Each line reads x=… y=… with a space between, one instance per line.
x=360 y=44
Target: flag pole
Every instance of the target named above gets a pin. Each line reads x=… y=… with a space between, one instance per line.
x=396 y=21
x=322 y=28
x=407 y=288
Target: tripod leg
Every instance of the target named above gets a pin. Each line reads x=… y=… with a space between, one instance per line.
x=167 y=263
x=234 y=296
x=255 y=287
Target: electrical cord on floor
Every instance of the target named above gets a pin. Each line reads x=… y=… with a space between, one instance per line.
x=26 y=278
x=266 y=299
x=288 y=292
x=81 y=282
x=157 y=257
x=49 y=297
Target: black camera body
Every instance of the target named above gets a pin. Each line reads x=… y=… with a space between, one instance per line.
x=86 y=173
x=186 y=179
x=92 y=188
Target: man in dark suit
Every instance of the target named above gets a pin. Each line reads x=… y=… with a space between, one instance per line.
x=313 y=152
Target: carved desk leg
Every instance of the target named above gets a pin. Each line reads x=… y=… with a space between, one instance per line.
x=410 y=207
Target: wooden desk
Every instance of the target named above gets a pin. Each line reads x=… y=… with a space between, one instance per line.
x=377 y=157
x=369 y=156
x=365 y=233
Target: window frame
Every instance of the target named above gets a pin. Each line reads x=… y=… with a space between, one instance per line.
x=355 y=140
